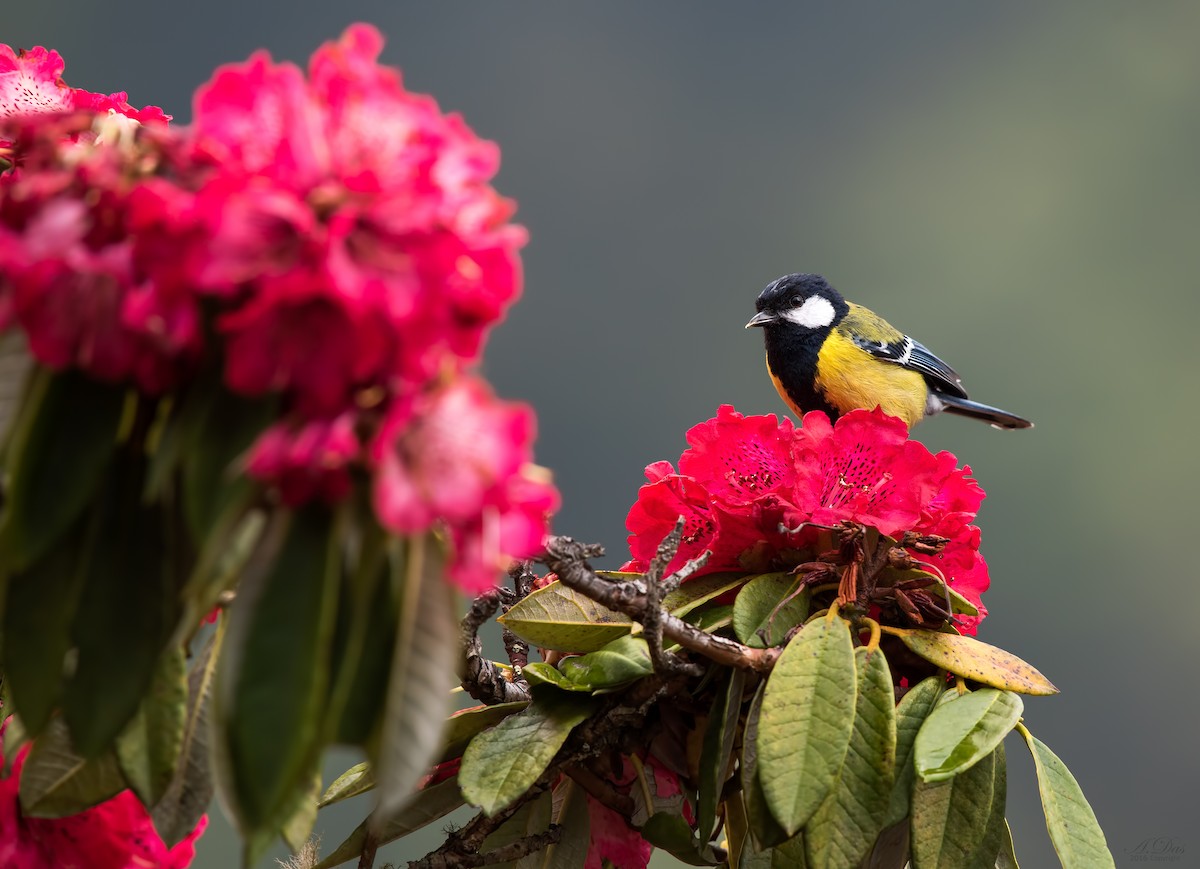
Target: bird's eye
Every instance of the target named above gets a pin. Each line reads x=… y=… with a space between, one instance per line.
x=796 y=301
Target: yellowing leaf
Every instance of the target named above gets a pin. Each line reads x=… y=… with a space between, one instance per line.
x=971 y=659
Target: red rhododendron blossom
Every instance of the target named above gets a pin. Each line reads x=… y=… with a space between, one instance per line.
x=458 y=456
x=31 y=84
x=348 y=182
x=117 y=834
x=747 y=487
x=307 y=461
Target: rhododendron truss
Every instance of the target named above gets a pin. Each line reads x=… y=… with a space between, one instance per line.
x=250 y=346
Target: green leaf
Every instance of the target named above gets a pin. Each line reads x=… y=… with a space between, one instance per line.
x=957 y=735
x=993 y=837
x=56 y=781
x=126 y=614
x=763 y=826
x=911 y=713
x=422 y=673
x=760 y=618
x=570 y=810
x=191 y=790
x=786 y=855
x=302 y=817
x=62 y=443
x=621 y=661
x=555 y=617
x=426 y=806
x=149 y=748
x=672 y=833
x=39 y=610
x=806 y=721
x=710 y=619
x=1007 y=858
x=717 y=748
x=354 y=781
x=541 y=673
x=891 y=848
x=1073 y=827
x=696 y=592
x=502 y=763
x=274 y=674
x=971 y=659
x=949 y=818
x=460 y=729
x=218 y=428
x=844 y=828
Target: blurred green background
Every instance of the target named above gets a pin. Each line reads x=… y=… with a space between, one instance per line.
x=1016 y=184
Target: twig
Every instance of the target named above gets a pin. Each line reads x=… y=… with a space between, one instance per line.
x=657 y=587
x=569 y=559
x=366 y=859
x=481 y=678
x=516 y=648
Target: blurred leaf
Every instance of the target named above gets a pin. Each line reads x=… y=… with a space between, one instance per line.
x=621 y=661
x=1073 y=827
x=555 y=617
x=993 y=836
x=422 y=673
x=763 y=826
x=911 y=713
x=971 y=659
x=126 y=614
x=758 y=618
x=806 y=721
x=530 y=819
x=426 y=806
x=957 y=735
x=56 y=781
x=844 y=828
x=62 y=441
x=541 y=673
x=15 y=738
x=191 y=790
x=696 y=592
x=38 y=613
x=949 y=818
x=300 y=821
x=218 y=428
x=149 y=748
x=719 y=736
x=364 y=636
x=274 y=673
x=674 y=835
x=502 y=763
x=570 y=810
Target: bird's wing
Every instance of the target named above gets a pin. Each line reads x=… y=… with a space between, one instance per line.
x=915 y=356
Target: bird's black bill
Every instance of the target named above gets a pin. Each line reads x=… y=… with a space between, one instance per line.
x=762 y=318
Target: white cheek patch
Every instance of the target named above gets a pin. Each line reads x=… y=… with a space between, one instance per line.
x=816 y=313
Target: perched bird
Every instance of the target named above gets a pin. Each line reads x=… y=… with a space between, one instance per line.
x=824 y=353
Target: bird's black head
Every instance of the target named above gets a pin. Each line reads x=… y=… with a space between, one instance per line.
x=799 y=301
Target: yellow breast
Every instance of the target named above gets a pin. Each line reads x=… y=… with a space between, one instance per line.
x=850 y=378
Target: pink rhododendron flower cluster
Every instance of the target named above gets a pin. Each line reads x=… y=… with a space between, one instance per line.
x=117 y=834
x=751 y=488
x=331 y=240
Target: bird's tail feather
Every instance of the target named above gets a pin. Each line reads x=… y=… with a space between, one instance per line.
x=994 y=415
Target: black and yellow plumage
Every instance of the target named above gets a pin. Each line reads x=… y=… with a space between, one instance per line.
x=824 y=353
